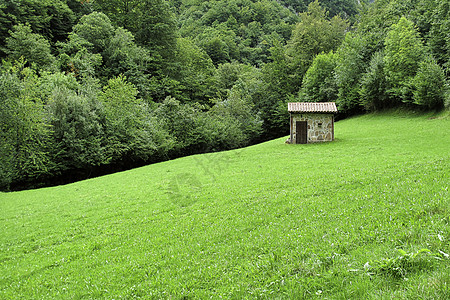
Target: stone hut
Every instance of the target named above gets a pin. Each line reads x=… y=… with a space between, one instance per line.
x=312 y=122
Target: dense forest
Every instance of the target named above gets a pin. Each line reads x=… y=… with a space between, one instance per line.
x=89 y=87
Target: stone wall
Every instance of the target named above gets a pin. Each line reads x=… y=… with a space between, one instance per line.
x=320 y=126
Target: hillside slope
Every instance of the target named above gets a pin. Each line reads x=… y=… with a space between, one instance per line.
x=366 y=216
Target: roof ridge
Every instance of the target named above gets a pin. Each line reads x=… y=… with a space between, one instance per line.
x=317 y=107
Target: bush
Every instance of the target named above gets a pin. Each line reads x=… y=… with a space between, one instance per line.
x=429 y=85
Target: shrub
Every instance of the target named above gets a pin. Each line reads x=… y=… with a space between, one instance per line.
x=429 y=85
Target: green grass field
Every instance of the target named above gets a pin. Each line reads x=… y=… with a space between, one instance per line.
x=364 y=217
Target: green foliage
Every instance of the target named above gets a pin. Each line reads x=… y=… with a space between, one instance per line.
x=222 y=131
x=228 y=74
x=240 y=106
x=123 y=118
x=374 y=86
x=77 y=130
x=81 y=7
x=195 y=71
x=49 y=82
x=230 y=124
x=350 y=65
x=315 y=33
x=24 y=138
x=403 y=54
x=151 y=22
x=279 y=85
x=33 y=47
x=319 y=83
x=219 y=46
x=76 y=54
x=123 y=56
x=283 y=76
x=96 y=29
x=278 y=75
x=429 y=85
x=335 y=7
x=83 y=64
x=155 y=27
x=132 y=133
x=97 y=49
x=9 y=92
x=122 y=13
x=438 y=34
x=52 y=19
x=182 y=122
x=240 y=30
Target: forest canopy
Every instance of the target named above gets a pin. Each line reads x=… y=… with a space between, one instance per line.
x=92 y=86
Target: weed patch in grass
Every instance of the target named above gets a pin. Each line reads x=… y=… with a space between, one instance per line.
x=400 y=266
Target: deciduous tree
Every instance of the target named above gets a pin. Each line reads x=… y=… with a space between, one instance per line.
x=403 y=54
x=315 y=33
x=319 y=83
x=33 y=47
x=24 y=136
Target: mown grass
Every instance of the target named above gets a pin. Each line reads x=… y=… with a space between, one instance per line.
x=364 y=217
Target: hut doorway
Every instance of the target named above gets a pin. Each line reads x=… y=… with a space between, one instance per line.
x=301 y=132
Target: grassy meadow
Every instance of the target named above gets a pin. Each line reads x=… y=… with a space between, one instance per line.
x=364 y=217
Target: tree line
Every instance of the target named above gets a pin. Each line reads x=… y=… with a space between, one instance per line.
x=91 y=87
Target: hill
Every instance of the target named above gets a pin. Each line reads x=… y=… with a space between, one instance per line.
x=94 y=87
x=366 y=216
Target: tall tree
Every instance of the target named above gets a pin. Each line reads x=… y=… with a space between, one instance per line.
x=77 y=129
x=52 y=19
x=24 y=143
x=403 y=54
x=194 y=71
x=33 y=47
x=129 y=134
x=121 y=12
x=151 y=22
x=280 y=83
x=316 y=33
x=96 y=29
x=374 y=86
x=155 y=27
x=352 y=60
x=319 y=83
x=438 y=36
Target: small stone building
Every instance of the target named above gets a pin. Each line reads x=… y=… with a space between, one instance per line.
x=312 y=122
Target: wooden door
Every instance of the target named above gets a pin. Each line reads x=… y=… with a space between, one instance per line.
x=301 y=136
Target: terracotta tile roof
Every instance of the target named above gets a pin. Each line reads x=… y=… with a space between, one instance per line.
x=312 y=107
